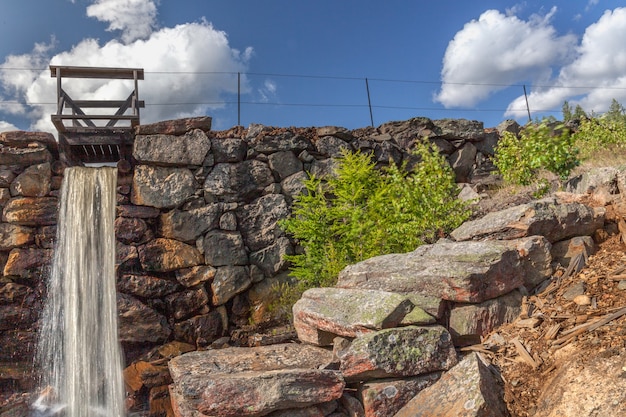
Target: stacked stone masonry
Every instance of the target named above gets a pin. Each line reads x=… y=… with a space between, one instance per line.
x=200 y=249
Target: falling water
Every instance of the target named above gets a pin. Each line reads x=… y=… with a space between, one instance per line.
x=79 y=352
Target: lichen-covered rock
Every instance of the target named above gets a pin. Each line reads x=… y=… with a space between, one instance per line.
x=188 y=225
x=31 y=211
x=451 y=129
x=229 y=281
x=175 y=127
x=385 y=397
x=398 y=352
x=138 y=323
x=164 y=255
x=469 y=322
x=286 y=141
x=229 y=150
x=258 y=221
x=254 y=381
x=271 y=259
x=162 y=187
x=224 y=248
x=243 y=181
x=32 y=155
x=544 y=217
x=456 y=271
x=348 y=312
x=284 y=164
x=469 y=389
x=35 y=181
x=168 y=150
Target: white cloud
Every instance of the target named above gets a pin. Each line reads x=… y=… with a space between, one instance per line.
x=185 y=66
x=596 y=74
x=268 y=91
x=497 y=50
x=135 y=18
x=7 y=127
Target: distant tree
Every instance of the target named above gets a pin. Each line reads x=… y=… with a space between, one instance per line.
x=567 y=111
x=616 y=112
x=579 y=113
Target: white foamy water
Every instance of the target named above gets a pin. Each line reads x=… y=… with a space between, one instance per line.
x=79 y=353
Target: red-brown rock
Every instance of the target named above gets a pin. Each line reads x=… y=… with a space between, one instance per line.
x=31 y=211
x=164 y=255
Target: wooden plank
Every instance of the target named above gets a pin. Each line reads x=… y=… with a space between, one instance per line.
x=97 y=72
x=105 y=104
x=96 y=140
x=86 y=117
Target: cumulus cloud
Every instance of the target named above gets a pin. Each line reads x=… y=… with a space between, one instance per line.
x=497 y=50
x=594 y=76
x=136 y=19
x=7 y=127
x=268 y=91
x=188 y=70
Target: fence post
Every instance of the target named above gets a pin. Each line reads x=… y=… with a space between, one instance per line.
x=238 y=99
x=369 y=102
x=527 y=106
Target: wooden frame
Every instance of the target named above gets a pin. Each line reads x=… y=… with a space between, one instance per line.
x=82 y=136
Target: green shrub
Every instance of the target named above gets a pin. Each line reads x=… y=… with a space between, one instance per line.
x=600 y=134
x=539 y=147
x=362 y=211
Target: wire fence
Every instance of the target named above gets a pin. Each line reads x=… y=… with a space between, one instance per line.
x=273 y=99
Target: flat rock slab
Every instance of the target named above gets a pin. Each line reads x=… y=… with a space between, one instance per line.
x=347 y=312
x=467 y=390
x=469 y=271
x=253 y=381
x=398 y=352
x=544 y=217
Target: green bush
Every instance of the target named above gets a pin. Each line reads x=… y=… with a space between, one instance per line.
x=540 y=147
x=596 y=134
x=362 y=211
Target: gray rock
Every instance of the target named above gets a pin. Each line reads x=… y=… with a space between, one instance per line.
x=189 y=225
x=228 y=221
x=242 y=181
x=510 y=126
x=462 y=162
x=162 y=187
x=224 y=248
x=398 y=352
x=593 y=180
x=175 y=127
x=452 y=129
x=258 y=221
x=487 y=146
x=284 y=164
x=456 y=271
x=35 y=181
x=563 y=251
x=229 y=150
x=138 y=323
x=168 y=150
x=385 y=397
x=470 y=322
x=293 y=185
x=271 y=259
x=336 y=131
x=201 y=330
x=332 y=146
x=324 y=168
x=347 y=312
x=544 y=217
x=469 y=389
x=146 y=286
x=254 y=381
x=228 y=282
x=286 y=141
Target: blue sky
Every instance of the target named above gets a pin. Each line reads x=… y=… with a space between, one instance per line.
x=305 y=63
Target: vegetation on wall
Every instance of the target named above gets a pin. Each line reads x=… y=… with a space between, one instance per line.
x=362 y=211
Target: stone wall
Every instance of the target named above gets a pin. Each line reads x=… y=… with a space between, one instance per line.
x=199 y=247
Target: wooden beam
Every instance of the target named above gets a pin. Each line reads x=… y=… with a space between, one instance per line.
x=96 y=72
x=105 y=104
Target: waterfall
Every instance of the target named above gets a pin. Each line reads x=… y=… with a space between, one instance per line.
x=79 y=353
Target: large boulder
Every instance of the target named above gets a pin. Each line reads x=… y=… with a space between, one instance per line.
x=31 y=211
x=164 y=255
x=188 y=149
x=188 y=225
x=162 y=187
x=469 y=272
x=242 y=181
x=258 y=221
x=398 y=352
x=469 y=389
x=346 y=312
x=33 y=182
x=253 y=381
x=546 y=217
